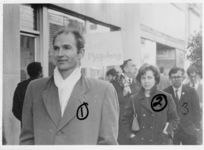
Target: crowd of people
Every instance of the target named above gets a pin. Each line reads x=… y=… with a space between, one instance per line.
x=180 y=122
x=137 y=107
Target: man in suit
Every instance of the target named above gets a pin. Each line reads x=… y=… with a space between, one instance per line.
x=69 y=108
x=34 y=71
x=126 y=87
x=187 y=103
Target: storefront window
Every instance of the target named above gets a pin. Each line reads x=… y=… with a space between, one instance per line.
x=58 y=19
x=29 y=32
x=166 y=57
x=27 y=54
x=28 y=17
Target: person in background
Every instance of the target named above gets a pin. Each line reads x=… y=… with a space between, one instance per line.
x=126 y=86
x=194 y=81
x=111 y=75
x=69 y=108
x=155 y=127
x=187 y=104
x=34 y=70
x=164 y=81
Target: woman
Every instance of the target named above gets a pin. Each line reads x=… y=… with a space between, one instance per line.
x=155 y=110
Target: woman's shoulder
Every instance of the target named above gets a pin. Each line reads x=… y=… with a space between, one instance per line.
x=163 y=93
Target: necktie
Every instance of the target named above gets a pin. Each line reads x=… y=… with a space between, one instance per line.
x=176 y=94
x=193 y=85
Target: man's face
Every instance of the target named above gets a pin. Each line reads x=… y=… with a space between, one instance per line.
x=130 y=69
x=177 y=79
x=65 y=52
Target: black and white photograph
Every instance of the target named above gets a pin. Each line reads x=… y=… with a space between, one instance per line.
x=105 y=73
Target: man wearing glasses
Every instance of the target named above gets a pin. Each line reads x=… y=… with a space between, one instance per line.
x=187 y=103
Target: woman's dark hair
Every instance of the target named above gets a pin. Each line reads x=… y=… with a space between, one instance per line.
x=146 y=67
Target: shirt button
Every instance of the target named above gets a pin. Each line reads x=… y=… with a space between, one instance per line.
x=144 y=115
x=151 y=127
x=143 y=127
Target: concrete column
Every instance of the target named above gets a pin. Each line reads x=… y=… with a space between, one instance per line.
x=130 y=24
x=11 y=69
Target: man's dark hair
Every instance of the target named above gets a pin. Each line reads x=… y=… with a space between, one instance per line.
x=175 y=70
x=80 y=42
x=125 y=64
x=146 y=67
x=34 y=69
x=112 y=72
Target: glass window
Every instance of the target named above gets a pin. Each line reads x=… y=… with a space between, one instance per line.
x=28 y=35
x=27 y=54
x=58 y=19
x=28 y=17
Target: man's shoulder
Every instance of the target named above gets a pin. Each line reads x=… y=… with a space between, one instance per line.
x=188 y=88
x=41 y=82
x=24 y=83
x=168 y=89
x=163 y=92
x=97 y=83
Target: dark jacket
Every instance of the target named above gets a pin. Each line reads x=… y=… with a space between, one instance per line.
x=188 y=109
x=18 y=98
x=124 y=125
x=151 y=122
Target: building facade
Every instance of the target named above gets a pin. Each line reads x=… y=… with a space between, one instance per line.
x=147 y=33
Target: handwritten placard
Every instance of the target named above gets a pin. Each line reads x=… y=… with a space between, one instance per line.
x=103 y=49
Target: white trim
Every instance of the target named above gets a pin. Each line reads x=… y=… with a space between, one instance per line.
x=44 y=41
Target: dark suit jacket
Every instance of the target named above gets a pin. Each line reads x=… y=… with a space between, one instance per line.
x=188 y=109
x=152 y=123
x=124 y=133
x=43 y=124
x=18 y=98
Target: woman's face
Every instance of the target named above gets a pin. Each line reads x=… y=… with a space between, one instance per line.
x=148 y=80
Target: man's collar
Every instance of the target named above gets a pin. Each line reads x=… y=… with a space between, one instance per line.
x=178 y=89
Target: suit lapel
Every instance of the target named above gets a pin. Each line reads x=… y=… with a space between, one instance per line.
x=78 y=96
x=183 y=92
x=51 y=101
x=173 y=95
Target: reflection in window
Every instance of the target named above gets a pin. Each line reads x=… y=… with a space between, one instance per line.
x=27 y=54
x=28 y=17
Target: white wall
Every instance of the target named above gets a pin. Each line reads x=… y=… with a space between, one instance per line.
x=165 y=18
x=126 y=16
x=11 y=69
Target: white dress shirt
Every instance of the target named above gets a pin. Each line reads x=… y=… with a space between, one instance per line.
x=66 y=86
x=179 y=90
